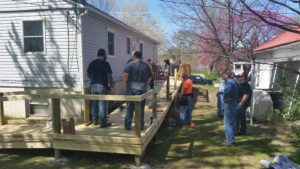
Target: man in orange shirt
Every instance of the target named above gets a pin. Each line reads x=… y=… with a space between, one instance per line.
x=186 y=104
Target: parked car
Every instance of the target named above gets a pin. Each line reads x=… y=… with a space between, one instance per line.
x=197 y=79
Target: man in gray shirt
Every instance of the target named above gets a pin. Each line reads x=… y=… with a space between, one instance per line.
x=137 y=76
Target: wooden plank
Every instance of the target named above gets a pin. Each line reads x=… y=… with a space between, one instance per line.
x=90 y=97
x=1 y=110
x=56 y=122
x=57 y=154
x=149 y=93
x=14 y=93
x=56 y=119
x=96 y=147
x=154 y=106
x=86 y=114
x=168 y=87
x=26 y=145
x=137 y=119
x=73 y=96
x=99 y=139
x=25 y=136
x=138 y=160
x=16 y=97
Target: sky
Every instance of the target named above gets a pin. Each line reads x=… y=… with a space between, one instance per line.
x=156 y=10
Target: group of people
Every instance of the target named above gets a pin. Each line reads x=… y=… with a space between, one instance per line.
x=137 y=76
x=234 y=97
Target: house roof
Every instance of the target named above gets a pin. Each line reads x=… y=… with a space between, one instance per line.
x=113 y=19
x=280 y=40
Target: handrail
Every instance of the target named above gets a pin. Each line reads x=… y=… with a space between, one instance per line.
x=11 y=96
x=54 y=95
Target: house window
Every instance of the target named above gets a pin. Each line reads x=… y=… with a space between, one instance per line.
x=33 y=36
x=141 y=48
x=128 y=42
x=111 y=43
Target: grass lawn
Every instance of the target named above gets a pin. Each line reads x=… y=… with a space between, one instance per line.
x=199 y=147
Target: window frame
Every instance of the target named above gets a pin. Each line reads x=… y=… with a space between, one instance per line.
x=23 y=37
x=109 y=30
x=141 y=43
x=130 y=45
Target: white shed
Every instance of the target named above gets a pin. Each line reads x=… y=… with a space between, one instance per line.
x=49 y=44
x=281 y=52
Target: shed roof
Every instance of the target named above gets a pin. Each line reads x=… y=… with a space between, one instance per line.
x=280 y=40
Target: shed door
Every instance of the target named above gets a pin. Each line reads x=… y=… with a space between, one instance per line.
x=264 y=76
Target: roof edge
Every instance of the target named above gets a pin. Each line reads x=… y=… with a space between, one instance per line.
x=283 y=44
x=115 y=20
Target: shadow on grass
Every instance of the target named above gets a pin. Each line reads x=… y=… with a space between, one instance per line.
x=41 y=158
x=202 y=146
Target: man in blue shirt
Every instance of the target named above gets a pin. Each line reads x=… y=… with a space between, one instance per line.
x=137 y=76
x=230 y=105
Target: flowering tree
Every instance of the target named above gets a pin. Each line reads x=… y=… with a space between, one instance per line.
x=224 y=31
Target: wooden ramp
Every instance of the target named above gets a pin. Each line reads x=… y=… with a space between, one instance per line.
x=114 y=139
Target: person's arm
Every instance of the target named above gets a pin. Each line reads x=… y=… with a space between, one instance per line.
x=125 y=77
x=110 y=80
x=244 y=99
x=149 y=75
x=227 y=92
x=183 y=89
x=89 y=73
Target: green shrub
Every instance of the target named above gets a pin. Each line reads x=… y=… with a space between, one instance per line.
x=291 y=93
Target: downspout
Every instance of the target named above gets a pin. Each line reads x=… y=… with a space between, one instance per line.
x=80 y=53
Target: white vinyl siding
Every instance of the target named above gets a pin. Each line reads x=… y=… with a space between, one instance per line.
x=18 y=5
x=35 y=70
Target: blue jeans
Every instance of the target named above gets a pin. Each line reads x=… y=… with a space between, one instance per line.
x=229 y=121
x=220 y=103
x=241 y=123
x=130 y=109
x=99 y=113
x=185 y=112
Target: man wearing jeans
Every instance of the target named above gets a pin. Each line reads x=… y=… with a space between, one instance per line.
x=244 y=103
x=230 y=105
x=220 y=101
x=99 y=71
x=137 y=76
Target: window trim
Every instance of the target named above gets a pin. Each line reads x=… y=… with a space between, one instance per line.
x=23 y=41
x=114 y=33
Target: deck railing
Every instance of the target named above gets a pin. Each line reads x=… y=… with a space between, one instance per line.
x=56 y=95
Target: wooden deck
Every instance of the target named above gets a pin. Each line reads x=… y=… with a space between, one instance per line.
x=114 y=139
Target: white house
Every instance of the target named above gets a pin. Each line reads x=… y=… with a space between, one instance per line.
x=49 y=44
